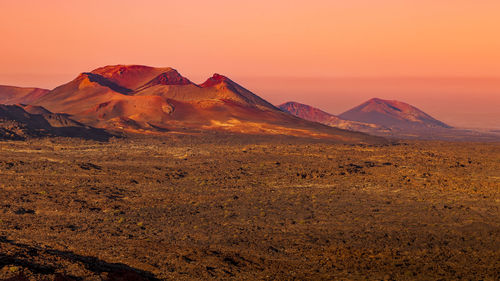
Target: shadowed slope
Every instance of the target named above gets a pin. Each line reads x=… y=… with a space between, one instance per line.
x=16 y=122
x=107 y=83
x=56 y=120
x=34 y=109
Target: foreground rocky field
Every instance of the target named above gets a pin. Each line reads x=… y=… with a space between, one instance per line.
x=239 y=207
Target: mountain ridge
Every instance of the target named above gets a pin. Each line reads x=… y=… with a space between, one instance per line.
x=143 y=99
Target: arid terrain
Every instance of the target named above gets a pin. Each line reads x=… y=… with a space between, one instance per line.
x=234 y=207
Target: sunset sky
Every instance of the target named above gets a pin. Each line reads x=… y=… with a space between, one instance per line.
x=442 y=56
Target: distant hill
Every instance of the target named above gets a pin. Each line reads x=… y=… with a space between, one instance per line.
x=310 y=113
x=393 y=114
x=15 y=95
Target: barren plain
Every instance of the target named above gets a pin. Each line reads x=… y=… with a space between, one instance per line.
x=233 y=207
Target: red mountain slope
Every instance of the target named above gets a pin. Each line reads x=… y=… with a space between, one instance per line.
x=309 y=113
x=217 y=87
x=130 y=76
x=316 y=115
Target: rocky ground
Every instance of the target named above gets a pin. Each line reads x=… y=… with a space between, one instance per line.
x=240 y=207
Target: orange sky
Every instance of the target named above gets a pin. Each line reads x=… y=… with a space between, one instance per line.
x=46 y=43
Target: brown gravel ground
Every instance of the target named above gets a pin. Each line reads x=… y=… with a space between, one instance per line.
x=248 y=208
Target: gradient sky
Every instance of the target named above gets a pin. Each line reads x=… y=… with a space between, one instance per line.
x=282 y=49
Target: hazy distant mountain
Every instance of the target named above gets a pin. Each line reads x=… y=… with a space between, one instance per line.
x=393 y=114
x=15 y=95
x=144 y=99
x=310 y=113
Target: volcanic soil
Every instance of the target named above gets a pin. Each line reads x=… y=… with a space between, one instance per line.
x=232 y=207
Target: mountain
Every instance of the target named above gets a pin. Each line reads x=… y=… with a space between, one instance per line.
x=393 y=114
x=14 y=95
x=310 y=113
x=19 y=122
x=390 y=119
x=149 y=100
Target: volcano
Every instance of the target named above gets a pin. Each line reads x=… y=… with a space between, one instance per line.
x=393 y=114
x=150 y=100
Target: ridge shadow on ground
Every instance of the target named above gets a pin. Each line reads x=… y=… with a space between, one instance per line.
x=25 y=253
